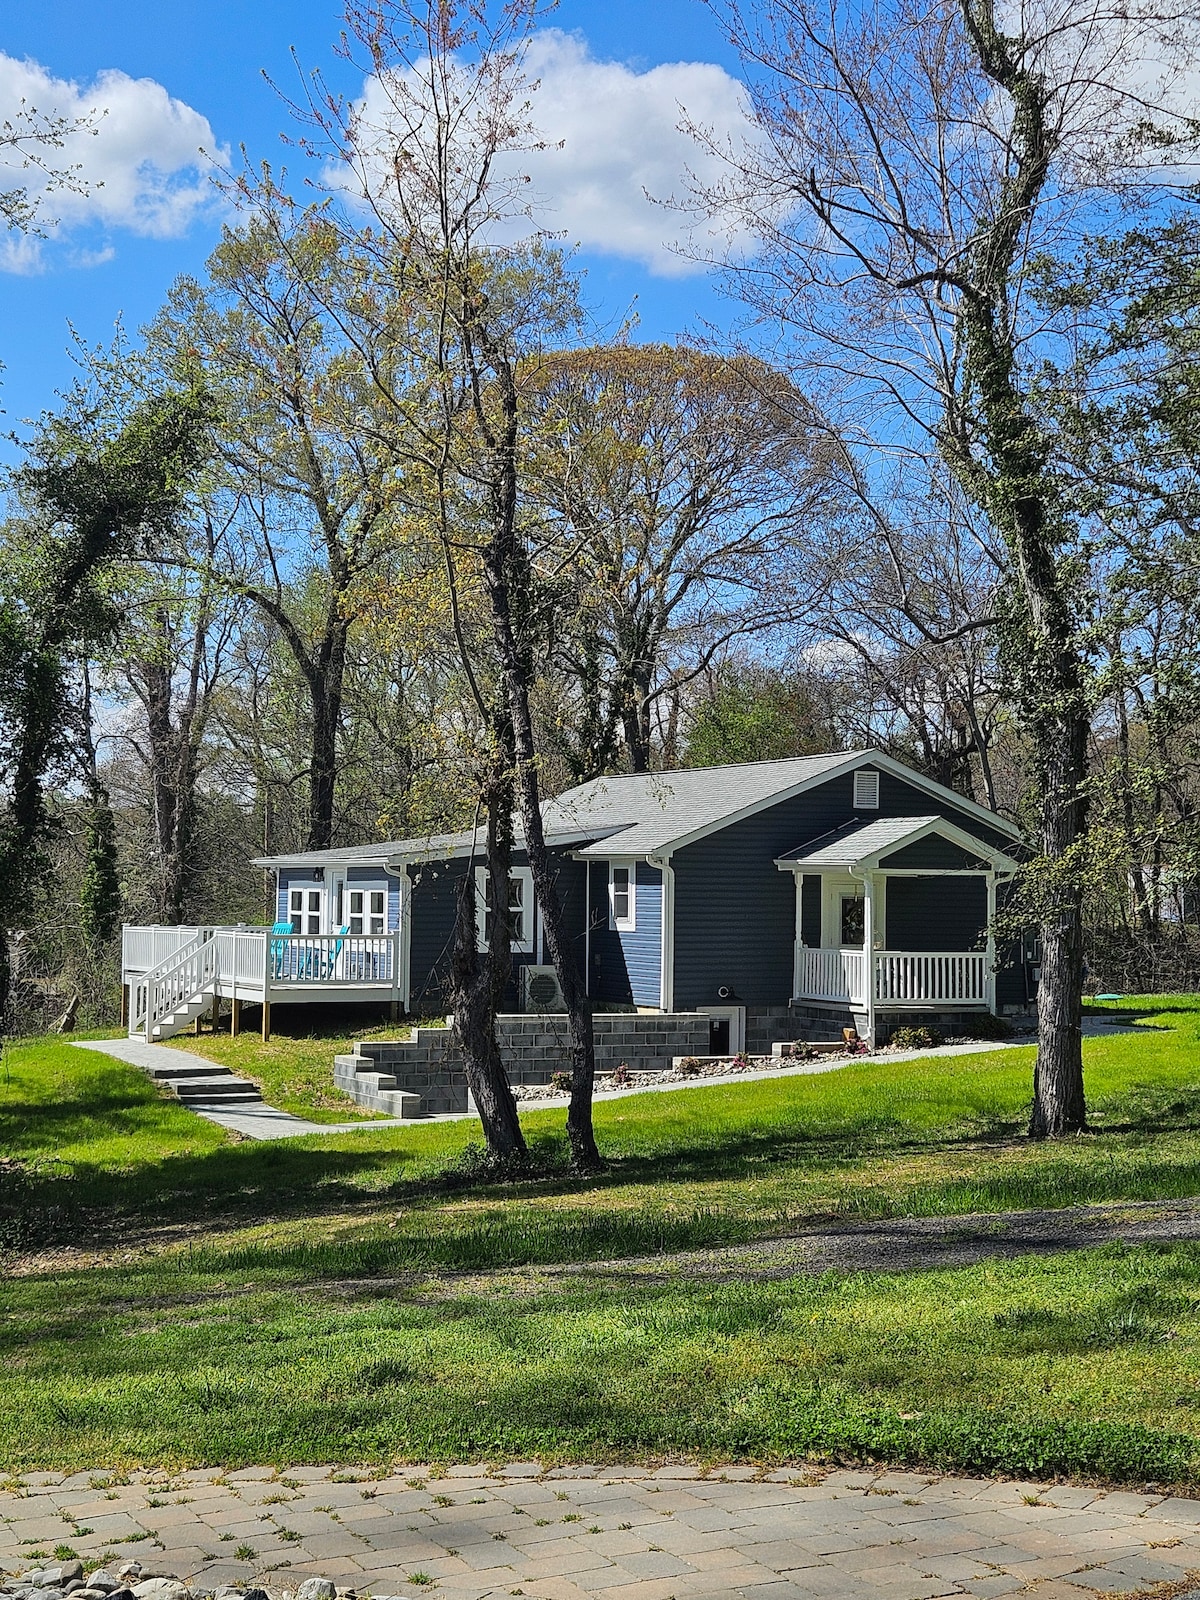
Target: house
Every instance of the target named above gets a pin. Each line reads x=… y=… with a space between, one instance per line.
x=777 y=897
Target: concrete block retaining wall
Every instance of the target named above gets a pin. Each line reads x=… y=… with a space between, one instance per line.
x=532 y=1047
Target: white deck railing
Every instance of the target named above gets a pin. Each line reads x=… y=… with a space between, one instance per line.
x=900 y=977
x=166 y=969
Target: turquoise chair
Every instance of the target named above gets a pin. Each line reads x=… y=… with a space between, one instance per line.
x=279 y=948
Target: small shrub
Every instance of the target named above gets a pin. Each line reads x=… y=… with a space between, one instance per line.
x=920 y=1038
x=740 y=1062
x=561 y=1081
x=983 y=1025
x=622 y=1075
x=689 y=1067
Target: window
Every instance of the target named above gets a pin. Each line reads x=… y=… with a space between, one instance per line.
x=853 y=920
x=520 y=909
x=368 y=911
x=622 y=897
x=866 y=791
x=304 y=910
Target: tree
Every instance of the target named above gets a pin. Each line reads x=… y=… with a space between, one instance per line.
x=674 y=486
x=94 y=496
x=755 y=712
x=307 y=454
x=908 y=161
x=426 y=154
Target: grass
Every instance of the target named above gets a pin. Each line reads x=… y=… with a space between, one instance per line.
x=273 y=1303
x=295 y=1074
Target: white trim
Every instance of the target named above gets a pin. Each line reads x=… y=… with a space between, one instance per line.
x=666 y=968
x=628 y=923
x=521 y=947
x=858 y=758
x=366 y=888
x=950 y=831
x=405 y=932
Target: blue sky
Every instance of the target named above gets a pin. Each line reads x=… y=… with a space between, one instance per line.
x=118 y=250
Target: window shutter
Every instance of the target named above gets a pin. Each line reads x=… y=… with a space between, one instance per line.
x=866 y=791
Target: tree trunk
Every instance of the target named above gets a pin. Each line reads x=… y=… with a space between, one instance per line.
x=326 y=676
x=508 y=578
x=1058 y=1097
x=477 y=985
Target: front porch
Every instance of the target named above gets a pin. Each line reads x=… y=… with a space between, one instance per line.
x=896 y=914
x=170 y=976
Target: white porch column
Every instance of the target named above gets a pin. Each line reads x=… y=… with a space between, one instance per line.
x=797 y=942
x=869 y=951
x=990 y=957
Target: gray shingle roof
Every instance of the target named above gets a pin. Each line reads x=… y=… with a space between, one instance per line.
x=846 y=846
x=656 y=811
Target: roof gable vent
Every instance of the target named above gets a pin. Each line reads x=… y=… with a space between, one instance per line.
x=866 y=791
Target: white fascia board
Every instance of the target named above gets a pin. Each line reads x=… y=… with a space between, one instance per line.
x=939 y=825
x=991 y=819
x=856 y=759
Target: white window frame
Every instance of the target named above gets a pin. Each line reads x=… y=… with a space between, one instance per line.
x=306 y=911
x=866 y=790
x=626 y=924
x=366 y=889
x=521 y=947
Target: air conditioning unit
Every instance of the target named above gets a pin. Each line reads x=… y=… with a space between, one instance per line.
x=540 y=990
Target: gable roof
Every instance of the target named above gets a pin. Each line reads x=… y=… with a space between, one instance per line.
x=864 y=843
x=654 y=813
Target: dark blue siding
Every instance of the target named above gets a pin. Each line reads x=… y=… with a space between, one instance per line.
x=936 y=913
x=609 y=978
x=933 y=852
x=810 y=909
x=434 y=903
x=735 y=912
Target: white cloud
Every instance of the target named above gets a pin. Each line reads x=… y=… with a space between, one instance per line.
x=142 y=169
x=616 y=153
x=623 y=150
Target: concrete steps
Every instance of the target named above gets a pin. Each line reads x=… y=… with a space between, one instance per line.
x=358 y=1077
x=207 y=1083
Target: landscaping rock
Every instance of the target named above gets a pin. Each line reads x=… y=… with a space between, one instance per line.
x=103 y=1579
x=316 y=1589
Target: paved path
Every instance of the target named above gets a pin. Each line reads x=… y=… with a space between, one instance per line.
x=254 y=1121
x=268 y=1122
x=620 y=1534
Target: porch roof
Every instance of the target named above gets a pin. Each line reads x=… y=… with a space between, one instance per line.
x=865 y=844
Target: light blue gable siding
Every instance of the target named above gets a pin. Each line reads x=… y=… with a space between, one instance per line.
x=627 y=966
x=643 y=947
x=302 y=878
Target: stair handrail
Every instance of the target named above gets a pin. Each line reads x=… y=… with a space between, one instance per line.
x=156 y=985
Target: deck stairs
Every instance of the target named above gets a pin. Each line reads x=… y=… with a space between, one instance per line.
x=172 y=995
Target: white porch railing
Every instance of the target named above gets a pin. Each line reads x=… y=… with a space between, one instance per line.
x=899 y=977
x=929 y=978
x=332 y=958
x=143 y=949
x=831 y=975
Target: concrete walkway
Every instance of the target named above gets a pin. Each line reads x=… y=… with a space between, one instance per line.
x=268 y=1122
x=616 y=1534
x=255 y=1121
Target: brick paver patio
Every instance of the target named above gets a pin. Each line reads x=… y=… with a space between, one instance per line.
x=586 y=1533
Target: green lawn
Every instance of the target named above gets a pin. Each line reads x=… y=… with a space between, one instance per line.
x=274 y=1302
x=295 y=1074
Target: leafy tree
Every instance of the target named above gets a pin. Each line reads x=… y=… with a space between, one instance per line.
x=908 y=162
x=674 y=487
x=93 y=496
x=755 y=713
